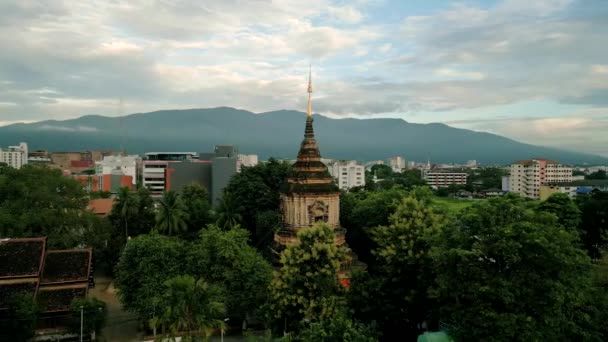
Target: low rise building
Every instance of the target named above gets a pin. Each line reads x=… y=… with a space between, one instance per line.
x=527 y=176
x=347 y=173
x=52 y=277
x=77 y=162
x=14 y=156
x=107 y=183
x=572 y=189
x=436 y=178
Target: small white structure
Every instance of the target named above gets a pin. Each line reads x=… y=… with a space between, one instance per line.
x=246 y=160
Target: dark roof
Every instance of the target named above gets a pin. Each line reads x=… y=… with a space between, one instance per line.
x=21 y=257
x=11 y=288
x=586 y=182
x=59 y=298
x=66 y=266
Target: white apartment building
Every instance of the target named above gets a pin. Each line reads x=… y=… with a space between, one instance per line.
x=527 y=176
x=347 y=173
x=121 y=165
x=14 y=156
x=246 y=160
x=444 y=178
x=397 y=163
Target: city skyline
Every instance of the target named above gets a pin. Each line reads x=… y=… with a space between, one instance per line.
x=535 y=72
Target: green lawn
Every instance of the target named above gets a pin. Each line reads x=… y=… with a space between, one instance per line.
x=454 y=205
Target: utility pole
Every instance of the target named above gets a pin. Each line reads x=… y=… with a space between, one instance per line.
x=81 y=321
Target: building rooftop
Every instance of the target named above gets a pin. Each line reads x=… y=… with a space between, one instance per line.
x=61 y=266
x=528 y=162
x=101 y=206
x=21 y=257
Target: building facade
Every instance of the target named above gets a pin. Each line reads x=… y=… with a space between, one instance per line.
x=397 y=164
x=527 y=176
x=154 y=169
x=444 y=178
x=119 y=165
x=15 y=156
x=347 y=173
x=247 y=160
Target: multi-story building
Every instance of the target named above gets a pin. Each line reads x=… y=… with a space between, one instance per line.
x=397 y=163
x=347 y=173
x=155 y=165
x=166 y=171
x=119 y=165
x=14 y=156
x=527 y=176
x=444 y=178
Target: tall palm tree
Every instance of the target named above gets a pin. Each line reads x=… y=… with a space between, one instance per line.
x=191 y=306
x=228 y=216
x=171 y=216
x=125 y=204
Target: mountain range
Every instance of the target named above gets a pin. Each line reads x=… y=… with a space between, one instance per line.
x=278 y=134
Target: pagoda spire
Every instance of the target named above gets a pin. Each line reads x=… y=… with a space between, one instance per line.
x=309 y=110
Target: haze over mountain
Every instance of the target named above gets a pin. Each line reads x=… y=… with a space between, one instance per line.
x=278 y=134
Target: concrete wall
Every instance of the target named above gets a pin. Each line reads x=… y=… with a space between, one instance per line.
x=223 y=169
x=188 y=173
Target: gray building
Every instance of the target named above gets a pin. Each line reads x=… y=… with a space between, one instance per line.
x=211 y=170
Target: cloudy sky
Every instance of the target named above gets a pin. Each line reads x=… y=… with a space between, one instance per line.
x=532 y=70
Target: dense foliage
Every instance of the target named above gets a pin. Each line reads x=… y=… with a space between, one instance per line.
x=253 y=200
x=306 y=287
x=93 y=313
x=221 y=258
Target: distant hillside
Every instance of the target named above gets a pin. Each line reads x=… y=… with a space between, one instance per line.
x=279 y=134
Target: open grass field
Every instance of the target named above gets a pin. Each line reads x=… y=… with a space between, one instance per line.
x=454 y=205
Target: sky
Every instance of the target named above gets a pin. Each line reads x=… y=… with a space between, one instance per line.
x=532 y=70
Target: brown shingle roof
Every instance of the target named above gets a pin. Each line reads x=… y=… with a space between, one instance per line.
x=66 y=266
x=21 y=257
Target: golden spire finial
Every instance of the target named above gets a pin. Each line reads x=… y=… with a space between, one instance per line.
x=309 y=110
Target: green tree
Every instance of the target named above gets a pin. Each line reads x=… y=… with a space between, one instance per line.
x=94 y=315
x=599 y=296
x=600 y=174
x=364 y=211
x=566 y=210
x=225 y=258
x=19 y=321
x=257 y=191
x=171 y=217
x=594 y=223
x=338 y=328
x=197 y=207
x=227 y=213
x=404 y=268
x=125 y=207
x=145 y=264
x=507 y=272
x=306 y=287
x=382 y=171
x=36 y=201
x=191 y=306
